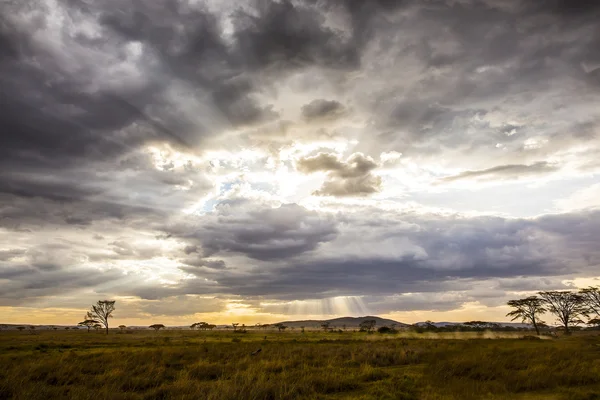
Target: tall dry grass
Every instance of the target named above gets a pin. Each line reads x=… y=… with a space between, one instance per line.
x=219 y=365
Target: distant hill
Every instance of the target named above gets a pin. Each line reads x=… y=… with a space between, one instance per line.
x=349 y=322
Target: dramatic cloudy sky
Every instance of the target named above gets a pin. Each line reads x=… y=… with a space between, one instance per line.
x=260 y=160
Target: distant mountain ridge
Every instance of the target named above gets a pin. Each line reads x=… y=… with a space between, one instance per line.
x=349 y=322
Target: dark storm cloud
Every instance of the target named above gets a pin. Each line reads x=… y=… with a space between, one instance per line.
x=352 y=177
x=85 y=86
x=128 y=191
x=322 y=108
x=23 y=284
x=291 y=35
x=505 y=171
x=266 y=234
x=465 y=60
x=588 y=8
x=453 y=254
x=63 y=108
x=266 y=37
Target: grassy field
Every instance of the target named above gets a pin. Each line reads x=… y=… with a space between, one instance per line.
x=292 y=365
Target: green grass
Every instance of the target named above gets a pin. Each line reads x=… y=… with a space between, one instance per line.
x=352 y=365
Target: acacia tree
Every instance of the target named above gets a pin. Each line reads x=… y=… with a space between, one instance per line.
x=202 y=326
x=325 y=325
x=235 y=325
x=591 y=297
x=528 y=310
x=122 y=327
x=430 y=325
x=89 y=323
x=101 y=312
x=367 y=325
x=157 y=327
x=594 y=322
x=568 y=307
x=280 y=326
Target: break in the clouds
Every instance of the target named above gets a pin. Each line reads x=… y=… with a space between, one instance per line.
x=260 y=158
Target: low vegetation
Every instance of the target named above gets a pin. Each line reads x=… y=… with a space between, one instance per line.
x=328 y=362
x=192 y=364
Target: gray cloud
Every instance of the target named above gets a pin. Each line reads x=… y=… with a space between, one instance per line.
x=322 y=108
x=450 y=254
x=505 y=171
x=498 y=89
x=352 y=177
x=263 y=234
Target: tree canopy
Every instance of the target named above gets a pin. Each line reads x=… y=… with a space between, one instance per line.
x=528 y=310
x=157 y=327
x=568 y=307
x=101 y=312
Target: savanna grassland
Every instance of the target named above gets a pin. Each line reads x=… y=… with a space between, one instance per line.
x=292 y=365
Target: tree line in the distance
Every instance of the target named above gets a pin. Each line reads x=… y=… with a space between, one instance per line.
x=571 y=309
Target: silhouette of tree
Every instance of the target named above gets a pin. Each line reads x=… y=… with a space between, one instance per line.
x=568 y=307
x=591 y=297
x=325 y=325
x=430 y=325
x=89 y=323
x=367 y=325
x=157 y=327
x=235 y=325
x=101 y=312
x=594 y=322
x=122 y=327
x=280 y=326
x=21 y=328
x=528 y=310
x=203 y=326
x=479 y=325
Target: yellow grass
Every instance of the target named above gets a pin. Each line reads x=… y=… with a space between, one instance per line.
x=292 y=365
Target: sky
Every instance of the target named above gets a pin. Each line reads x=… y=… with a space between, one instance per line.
x=257 y=161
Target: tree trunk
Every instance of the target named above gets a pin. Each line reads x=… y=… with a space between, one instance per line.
x=107 y=329
x=535 y=325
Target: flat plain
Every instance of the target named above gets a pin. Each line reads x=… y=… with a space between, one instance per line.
x=219 y=365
